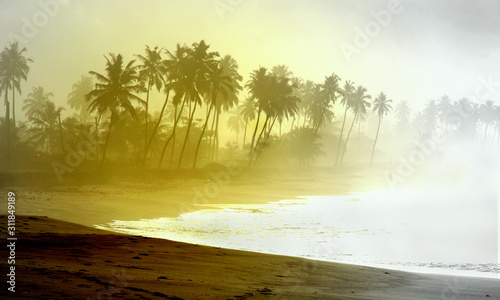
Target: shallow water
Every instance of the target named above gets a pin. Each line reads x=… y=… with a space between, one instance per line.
x=436 y=231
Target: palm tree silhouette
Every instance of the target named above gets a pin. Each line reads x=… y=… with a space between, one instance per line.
x=35 y=102
x=382 y=106
x=151 y=72
x=47 y=127
x=359 y=106
x=114 y=92
x=247 y=110
x=220 y=91
x=16 y=69
x=347 y=99
x=257 y=87
x=77 y=98
x=403 y=112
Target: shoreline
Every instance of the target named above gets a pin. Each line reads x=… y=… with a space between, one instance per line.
x=66 y=260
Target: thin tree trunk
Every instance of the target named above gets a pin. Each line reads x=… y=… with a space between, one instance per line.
x=254 y=133
x=96 y=139
x=254 y=151
x=173 y=143
x=173 y=132
x=187 y=136
x=155 y=129
x=376 y=138
x=60 y=132
x=201 y=135
x=341 y=133
x=111 y=119
x=245 y=133
x=14 y=107
x=7 y=129
x=211 y=141
x=146 y=128
x=216 y=144
x=267 y=137
x=347 y=138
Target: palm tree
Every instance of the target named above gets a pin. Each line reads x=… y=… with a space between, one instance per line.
x=47 y=127
x=16 y=69
x=35 y=102
x=151 y=72
x=247 y=111
x=114 y=92
x=236 y=121
x=487 y=115
x=347 y=99
x=200 y=63
x=359 y=106
x=382 y=106
x=403 y=112
x=229 y=97
x=77 y=99
x=257 y=86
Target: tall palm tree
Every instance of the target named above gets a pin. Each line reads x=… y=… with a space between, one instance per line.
x=247 y=111
x=115 y=91
x=200 y=63
x=359 y=105
x=151 y=72
x=16 y=69
x=35 y=102
x=77 y=99
x=257 y=87
x=221 y=91
x=382 y=106
x=347 y=98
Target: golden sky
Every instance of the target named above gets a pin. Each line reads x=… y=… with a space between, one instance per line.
x=411 y=50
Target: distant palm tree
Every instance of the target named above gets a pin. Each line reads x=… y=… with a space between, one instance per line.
x=35 y=102
x=257 y=87
x=359 y=106
x=151 y=72
x=77 y=99
x=115 y=91
x=236 y=121
x=47 y=127
x=16 y=69
x=430 y=116
x=382 y=106
x=487 y=115
x=347 y=99
x=403 y=112
x=247 y=111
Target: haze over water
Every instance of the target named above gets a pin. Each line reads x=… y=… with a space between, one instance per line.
x=438 y=230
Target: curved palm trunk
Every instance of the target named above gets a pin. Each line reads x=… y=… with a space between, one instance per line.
x=254 y=133
x=341 y=133
x=96 y=139
x=347 y=138
x=187 y=136
x=201 y=136
x=211 y=142
x=173 y=132
x=216 y=144
x=268 y=133
x=173 y=144
x=254 y=150
x=60 y=132
x=146 y=128
x=106 y=141
x=155 y=129
x=376 y=138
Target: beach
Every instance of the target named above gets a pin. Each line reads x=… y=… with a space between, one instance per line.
x=60 y=255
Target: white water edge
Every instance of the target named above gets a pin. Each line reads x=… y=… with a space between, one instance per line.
x=436 y=231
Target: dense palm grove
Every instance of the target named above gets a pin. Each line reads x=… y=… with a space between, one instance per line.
x=281 y=116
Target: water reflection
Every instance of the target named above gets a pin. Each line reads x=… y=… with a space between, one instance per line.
x=442 y=229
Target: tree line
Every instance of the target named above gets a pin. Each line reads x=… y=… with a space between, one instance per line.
x=200 y=87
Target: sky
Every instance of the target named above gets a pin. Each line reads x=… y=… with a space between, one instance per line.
x=410 y=50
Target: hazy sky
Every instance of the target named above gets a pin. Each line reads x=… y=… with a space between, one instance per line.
x=426 y=48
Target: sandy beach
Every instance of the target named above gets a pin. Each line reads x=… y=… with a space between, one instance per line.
x=60 y=256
